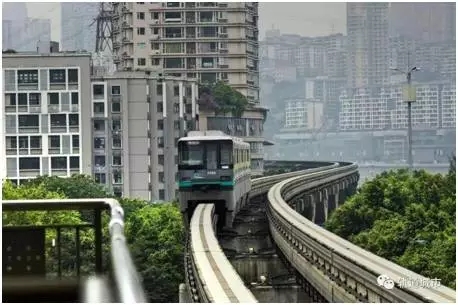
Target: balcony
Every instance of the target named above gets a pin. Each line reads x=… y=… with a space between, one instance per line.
x=36 y=272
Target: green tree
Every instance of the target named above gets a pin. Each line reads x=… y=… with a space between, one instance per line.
x=408 y=218
x=156 y=236
x=222 y=98
x=77 y=186
x=154 y=231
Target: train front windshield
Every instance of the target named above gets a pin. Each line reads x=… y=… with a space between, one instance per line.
x=205 y=155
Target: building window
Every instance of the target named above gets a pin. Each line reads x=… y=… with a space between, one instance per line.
x=117 y=160
x=160 y=107
x=116 y=107
x=160 y=124
x=24 y=142
x=173 y=63
x=74 y=163
x=54 y=142
x=117 y=191
x=161 y=177
x=161 y=194
x=58 y=120
x=161 y=160
x=73 y=120
x=99 y=108
x=154 y=15
x=155 y=61
x=99 y=143
x=35 y=142
x=53 y=98
x=160 y=142
x=57 y=76
x=75 y=141
x=27 y=77
x=140 y=15
x=159 y=90
x=34 y=99
x=99 y=161
x=29 y=163
x=98 y=91
x=116 y=90
x=117 y=143
x=22 y=99
x=72 y=76
x=141 y=61
x=27 y=120
x=140 y=31
x=75 y=98
x=116 y=125
x=117 y=176
x=99 y=125
x=59 y=163
x=176 y=91
x=100 y=178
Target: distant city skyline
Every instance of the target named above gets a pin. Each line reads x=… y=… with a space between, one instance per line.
x=306 y=19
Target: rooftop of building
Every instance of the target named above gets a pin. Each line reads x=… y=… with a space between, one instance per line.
x=8 y=53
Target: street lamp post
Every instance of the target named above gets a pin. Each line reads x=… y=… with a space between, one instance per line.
x=409 y=99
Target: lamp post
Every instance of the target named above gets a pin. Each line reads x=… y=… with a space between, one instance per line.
x=409 y=99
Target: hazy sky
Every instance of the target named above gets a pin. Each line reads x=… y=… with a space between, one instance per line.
x=307 y=19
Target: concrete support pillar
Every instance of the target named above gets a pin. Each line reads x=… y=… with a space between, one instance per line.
x=319 y=211
x=230 y=215
x=312 y=204
x=325 y=198
x=183 y=294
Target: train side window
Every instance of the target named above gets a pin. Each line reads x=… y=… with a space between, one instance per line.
x=225 y=154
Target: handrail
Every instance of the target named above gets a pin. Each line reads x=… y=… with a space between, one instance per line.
x=125 y=274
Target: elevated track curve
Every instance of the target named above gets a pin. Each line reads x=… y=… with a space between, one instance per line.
x=337 y=270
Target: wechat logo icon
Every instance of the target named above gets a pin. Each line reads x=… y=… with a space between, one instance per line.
x=385 y=281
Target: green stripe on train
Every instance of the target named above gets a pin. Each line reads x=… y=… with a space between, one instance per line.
x=204 y=182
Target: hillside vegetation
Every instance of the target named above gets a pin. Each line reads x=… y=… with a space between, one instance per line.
x=408 y=218
x=154 y=232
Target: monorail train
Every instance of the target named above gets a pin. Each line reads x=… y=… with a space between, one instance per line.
x=213 y=168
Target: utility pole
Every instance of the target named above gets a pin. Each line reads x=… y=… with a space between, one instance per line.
x=409 y=98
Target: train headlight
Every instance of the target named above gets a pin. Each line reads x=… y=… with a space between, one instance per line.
x=226 y=178
x=211 y=172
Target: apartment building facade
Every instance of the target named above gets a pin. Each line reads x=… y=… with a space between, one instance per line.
x=137 y=119
x=45 y=109
x=208 y=41
x=383 y=108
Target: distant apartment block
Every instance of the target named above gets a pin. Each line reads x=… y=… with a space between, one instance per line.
x=208 y=41
x=137 y=119
x=46 y=108
x=303 y=114
x=7 y=33
x=384 y=108
x=368 y=44
x=78 y=29
x=429 y=22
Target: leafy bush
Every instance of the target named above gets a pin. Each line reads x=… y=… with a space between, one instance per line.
x=408 y=218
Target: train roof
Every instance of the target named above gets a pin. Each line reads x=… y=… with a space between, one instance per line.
x=209 y=135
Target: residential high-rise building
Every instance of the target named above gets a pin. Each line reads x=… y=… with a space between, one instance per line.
x=35 y=31
x=78 y=29
x=44 y=114
x=428 y=22
x=14 y=19
x=368 y=44
x=209 y=41
x=136 y=121
x=7 y=33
